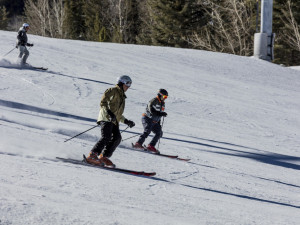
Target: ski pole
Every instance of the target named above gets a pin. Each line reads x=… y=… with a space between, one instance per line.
x=81 y=133
x=9 y=52
x=131 y=137
x=162 y=124
x=124 y=130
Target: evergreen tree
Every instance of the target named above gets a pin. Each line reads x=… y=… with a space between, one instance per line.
x=173 y=21
x=133 y=21
x=3 y=18
x=125 y=21
x=95 y=20
x=13 y=7
x=284 y=52
x=145 y=24
x=74 y=19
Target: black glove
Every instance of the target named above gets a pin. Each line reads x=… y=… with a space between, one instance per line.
x=163 y=114
x=130 y=123
x=112 y=116
x=30 y=45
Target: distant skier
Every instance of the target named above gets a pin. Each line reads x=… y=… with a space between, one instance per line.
x=111 y=113
x=151 y=121
x=22 y=43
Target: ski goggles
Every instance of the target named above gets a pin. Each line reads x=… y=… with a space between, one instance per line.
x=164 y=96
x=128 y=83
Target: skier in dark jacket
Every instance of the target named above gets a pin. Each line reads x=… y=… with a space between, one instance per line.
x=151 y=121
x=22 y=43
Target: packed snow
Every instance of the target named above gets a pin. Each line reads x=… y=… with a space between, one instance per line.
x=236 y=118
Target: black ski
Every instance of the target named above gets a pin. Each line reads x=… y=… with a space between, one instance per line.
x=145 y=150
x=116 y=169
x=39 y=68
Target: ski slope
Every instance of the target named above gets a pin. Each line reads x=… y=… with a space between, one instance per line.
x=237 y=118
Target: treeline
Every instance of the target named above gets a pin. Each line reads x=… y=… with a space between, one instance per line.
x=216 y=25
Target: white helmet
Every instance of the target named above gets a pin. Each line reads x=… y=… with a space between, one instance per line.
x=124 y=79
x=25 y=25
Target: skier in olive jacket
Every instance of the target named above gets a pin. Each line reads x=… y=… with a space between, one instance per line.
x=151 y=121
x=111 y=114
x=22 y=43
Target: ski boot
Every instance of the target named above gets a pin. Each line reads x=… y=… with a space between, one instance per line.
x=138 y=146
x=93 y=159
x=106 y=161
x=152 y=149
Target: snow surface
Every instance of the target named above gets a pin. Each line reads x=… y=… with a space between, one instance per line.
x=295 y=67
x=237 y=118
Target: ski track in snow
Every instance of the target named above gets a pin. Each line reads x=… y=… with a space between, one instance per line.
x=46 y=97
x=45 y=94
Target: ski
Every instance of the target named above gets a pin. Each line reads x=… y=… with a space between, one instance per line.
x=145 y=150
x=39 y=68
x=116 y=169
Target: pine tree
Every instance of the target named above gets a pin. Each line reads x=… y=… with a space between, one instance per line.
x=74 y=19
x=145 y=24
x=95 y=20
x=3 y=18
x=125 y=22
x=13 y=7
x=284 y=52
x=173 y=21
x=133 y=21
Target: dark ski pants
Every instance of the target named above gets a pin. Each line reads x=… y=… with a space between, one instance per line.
x=110 y=139
x=149 y=126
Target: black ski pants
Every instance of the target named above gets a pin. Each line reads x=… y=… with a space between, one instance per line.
x=110 y=139
x=149 y=126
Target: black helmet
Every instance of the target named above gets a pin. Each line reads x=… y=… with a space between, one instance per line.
x=162 y=92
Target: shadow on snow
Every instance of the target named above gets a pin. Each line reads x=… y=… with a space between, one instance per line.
x=267 y=157
x=22 y=106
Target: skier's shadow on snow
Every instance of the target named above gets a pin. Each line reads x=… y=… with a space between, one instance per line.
x=228 y=193
x=242 y=196
x=265 y=157
x=269 y=158
x=53 y=72
x=78 y=78
x=200 y=143
x=17 y=105
x=78 y=162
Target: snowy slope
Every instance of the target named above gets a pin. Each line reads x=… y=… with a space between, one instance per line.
x=295 y=67
x=237 y=118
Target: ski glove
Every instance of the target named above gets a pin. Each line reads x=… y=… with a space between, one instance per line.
x=163 y=114
x=112 y=116
x=30 y=45
x=129 y=123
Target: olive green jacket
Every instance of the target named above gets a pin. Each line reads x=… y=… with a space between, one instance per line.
x=113 y=99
